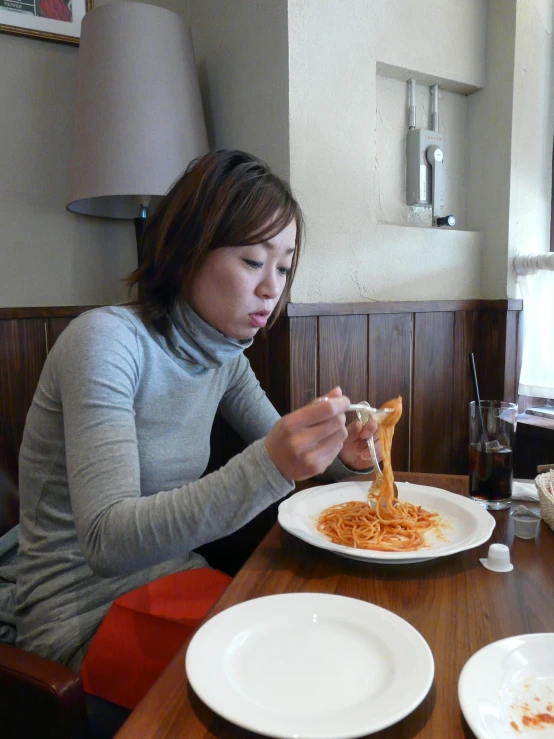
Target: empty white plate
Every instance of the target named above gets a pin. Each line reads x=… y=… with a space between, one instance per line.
x=309 y=666
x=506 y=689
x=466 y=523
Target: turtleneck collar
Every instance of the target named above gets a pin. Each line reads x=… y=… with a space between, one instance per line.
x=200 y=343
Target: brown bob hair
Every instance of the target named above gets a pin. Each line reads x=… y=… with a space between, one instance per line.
x=225 y=198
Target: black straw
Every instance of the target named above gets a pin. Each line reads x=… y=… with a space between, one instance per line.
x=478 y=402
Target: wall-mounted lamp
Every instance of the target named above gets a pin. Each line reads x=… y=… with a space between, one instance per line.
x=138 y=113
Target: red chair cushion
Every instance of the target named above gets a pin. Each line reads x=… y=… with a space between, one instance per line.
x=144 y=629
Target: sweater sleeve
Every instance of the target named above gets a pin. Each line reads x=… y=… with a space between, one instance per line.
x=121 y=532
x=245 y=406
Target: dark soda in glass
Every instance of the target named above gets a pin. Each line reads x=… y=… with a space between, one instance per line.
x=490 y=473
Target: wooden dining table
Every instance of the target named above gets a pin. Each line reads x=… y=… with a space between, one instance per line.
x=455 y=603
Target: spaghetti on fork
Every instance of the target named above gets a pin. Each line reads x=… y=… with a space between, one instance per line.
x=392 y=525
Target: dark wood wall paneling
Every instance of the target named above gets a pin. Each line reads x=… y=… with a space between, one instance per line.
x=374 y=351
x=26 y=337
x=390 y=374
x=433 y=391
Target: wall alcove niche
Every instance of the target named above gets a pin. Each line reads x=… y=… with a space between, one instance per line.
x=391 y=127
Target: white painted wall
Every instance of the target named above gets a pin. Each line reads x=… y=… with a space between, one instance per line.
x=345 y=121
x=390 y=145
x=532 y=133
x=510 y=127
x=51 y=257
x=241 y=52
x=312 y=87
x=489 y=152
x=47 y=255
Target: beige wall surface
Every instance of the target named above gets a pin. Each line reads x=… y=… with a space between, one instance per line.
x=47 y=255
x=390 y=146
x=305 y=84
x=489 y=153
x=241 y=51
x=339 y=145
x=51 y=257
x=347 y=132
x=532 y=132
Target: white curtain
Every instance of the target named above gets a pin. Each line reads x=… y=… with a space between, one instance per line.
x=537 y=369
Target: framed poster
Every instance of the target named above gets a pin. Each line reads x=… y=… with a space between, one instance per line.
x=55 y=20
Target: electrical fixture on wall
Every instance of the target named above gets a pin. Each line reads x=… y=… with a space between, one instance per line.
x=138 y=112
x=425 y=167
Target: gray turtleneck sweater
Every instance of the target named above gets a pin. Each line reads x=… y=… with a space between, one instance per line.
x=115 y=442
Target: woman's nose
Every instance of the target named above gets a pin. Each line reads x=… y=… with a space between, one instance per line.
x=269 y=287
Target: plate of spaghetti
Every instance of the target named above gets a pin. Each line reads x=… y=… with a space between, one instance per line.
x=424 y=523
x=451 y=523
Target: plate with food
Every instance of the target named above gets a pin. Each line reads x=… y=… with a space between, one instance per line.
x=506 y=689
x=430 y=523
x=373 y=525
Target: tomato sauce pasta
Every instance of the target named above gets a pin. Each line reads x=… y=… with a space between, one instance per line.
x=394 y=526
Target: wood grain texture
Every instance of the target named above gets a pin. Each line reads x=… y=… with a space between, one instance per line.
x=54 y=327
x=456 y=604
x=48 y=311
x=287 y=360
x=511 y=375
x=279 y=365
x=491 y=354
x=523 y=401
x=9 y=501
x=433 y=392
x=22 y=354
x=343 y=355
x=420 y=306
x=534 y=444
x=369 y=352
x=390 y=352
x=303 y=361
x=466 y=328
x=258 y=357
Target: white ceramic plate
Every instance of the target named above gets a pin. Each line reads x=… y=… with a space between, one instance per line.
x=466 y=523
x=505 y=686
x=309 y=666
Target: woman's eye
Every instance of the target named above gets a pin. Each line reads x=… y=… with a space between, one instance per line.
x=253 y=264
x=284 y=270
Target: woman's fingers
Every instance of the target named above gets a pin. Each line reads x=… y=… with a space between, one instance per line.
x=306 y=441
x=320 y=410
x=369 y=429
x=355 y=452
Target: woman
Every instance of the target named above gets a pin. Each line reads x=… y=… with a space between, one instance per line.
x=118 y=433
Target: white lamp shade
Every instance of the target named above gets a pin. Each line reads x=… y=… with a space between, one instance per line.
x=138 y=112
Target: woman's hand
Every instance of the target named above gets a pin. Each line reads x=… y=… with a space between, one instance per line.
x=305 y=442
x=354 y=453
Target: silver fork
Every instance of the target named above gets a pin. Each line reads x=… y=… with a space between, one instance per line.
x=378 y=414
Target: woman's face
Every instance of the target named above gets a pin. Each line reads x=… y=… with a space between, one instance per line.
x=237 y=287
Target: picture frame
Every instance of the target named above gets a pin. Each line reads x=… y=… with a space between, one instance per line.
x=52 y=20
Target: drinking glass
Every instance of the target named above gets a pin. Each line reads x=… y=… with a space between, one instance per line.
x=492 y=426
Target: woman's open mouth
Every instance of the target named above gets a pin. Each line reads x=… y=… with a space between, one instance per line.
x=259 y=320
